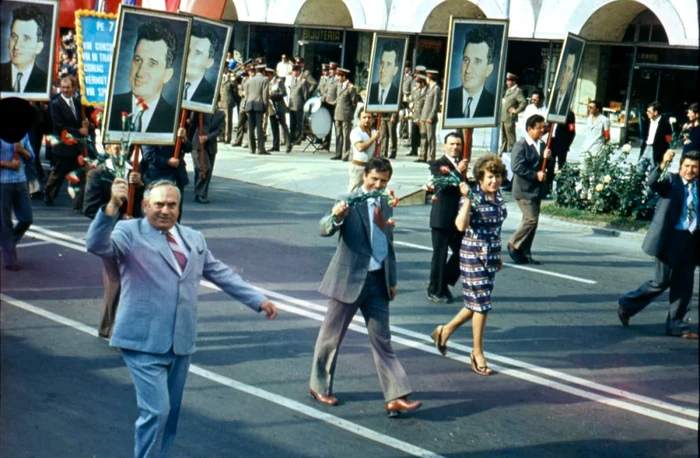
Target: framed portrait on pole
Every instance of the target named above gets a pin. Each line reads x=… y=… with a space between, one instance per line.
x=209 y=42
x=28 y=31
x=473 y=72
x=386 y=73
x=565 y=80
x=147 y=76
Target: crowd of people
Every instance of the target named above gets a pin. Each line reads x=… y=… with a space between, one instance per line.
x=150 y=249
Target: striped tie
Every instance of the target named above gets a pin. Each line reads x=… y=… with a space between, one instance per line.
x=691 y=220
x=177 y=251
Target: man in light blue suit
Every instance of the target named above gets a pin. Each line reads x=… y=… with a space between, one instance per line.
x=161 y=264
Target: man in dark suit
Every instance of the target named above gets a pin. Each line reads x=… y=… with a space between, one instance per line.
x=362 y=275
x=28 y=29
x=529 y=188
x=562 y=137
x=658 y=132
x=204 y=46
x=151 y=69
x=65 y=116
x=561 y=96
x=472 y=99
x=674 y=240
x=213 y=124
x=444 y=272
x=161 y=265
x=384 y=92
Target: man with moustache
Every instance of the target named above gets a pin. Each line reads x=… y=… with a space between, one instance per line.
x=472 y=99
x=28 y=29
x=204 y=44
x=151 y=69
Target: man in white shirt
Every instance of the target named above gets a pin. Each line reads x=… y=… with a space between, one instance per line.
x=284 y=67
x=597 y=130
x=364 y=145
x=536 y=106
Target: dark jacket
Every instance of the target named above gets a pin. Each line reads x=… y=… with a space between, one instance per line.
x=163 y=120
x=392 y=97
x=444 y=210
x=485 y=109
x=660 y=240
x=525 y=163
x=36 y=82
x=661 y=138
x=62 y=118
x=154 y=165
x=204 y=93
x=564 y=135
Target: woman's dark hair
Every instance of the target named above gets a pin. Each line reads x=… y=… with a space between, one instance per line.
x=489 y=163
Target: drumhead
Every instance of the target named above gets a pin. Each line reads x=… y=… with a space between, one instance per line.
x=312 y=105
x=321 y=122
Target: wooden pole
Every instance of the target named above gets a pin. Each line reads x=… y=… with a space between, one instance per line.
x=203 y=165
x=549 y=144
x=132 y=188
x=377 y=151
x=467 y=147
x=178 y=140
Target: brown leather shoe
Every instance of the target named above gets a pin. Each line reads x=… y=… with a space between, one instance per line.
x=328 y=400
x=690 y=336
x=623 y=316
x=401 y=405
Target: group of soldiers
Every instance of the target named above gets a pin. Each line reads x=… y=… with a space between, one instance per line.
x=272 y=95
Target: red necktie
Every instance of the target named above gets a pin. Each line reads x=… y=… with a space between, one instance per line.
x=177 y=251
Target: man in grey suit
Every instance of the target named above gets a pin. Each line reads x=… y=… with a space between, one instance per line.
x=529 y=188
x=362 y=275
x=428 y=117
x=345 y=104
x=298 y=93
x=672 y=239
x=257 y=95
x=161 y=264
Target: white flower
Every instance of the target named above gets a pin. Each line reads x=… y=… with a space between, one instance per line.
x=672 y=120
x=626 y=148
x=599 y=187
x=607 y=179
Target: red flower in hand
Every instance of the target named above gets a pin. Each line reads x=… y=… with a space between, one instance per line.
x=445 y=170
x=124 y=114
x=68 y=138
x=96 y=116
x=72 y=177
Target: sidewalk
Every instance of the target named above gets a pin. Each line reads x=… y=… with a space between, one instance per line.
x=316 y=175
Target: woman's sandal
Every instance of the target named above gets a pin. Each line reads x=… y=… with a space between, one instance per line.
x=485 y=370
x=437 y=337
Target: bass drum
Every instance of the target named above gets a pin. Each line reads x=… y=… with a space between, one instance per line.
x=320 y=122
x=312 y=105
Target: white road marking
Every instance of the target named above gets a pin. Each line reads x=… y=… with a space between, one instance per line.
x=28 y=244
x=509 y=264
x=693 y=413
x=287 y=403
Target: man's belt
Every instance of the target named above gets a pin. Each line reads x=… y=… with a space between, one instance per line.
x=358 y=163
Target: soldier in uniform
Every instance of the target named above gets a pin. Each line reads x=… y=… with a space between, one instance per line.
x=417 y=102
x=278 y=111
x=346 y=102
x=227 y=102
x=242 y=114
x=298 y=93
x=257 y=92
x=406 y=87
x=328 y=99
x=323 y=81
x=428 y=116
x=513 y=103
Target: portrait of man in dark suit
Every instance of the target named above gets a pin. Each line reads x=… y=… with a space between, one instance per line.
x=385 y=91
x=147 y=76
x=471 y=99
x=565 y=82
x=29 y=48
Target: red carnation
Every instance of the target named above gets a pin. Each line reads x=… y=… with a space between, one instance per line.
x=143 y=106
x=434 y=198
x=81 y=160
x=72 y=177
x=139 y=100
x=444 y=169
x=68 y=138
x=124 y=114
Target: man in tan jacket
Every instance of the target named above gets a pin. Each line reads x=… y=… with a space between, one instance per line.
x=512 y=104
x=257 y=97
x=428 y=116
x=345 y=104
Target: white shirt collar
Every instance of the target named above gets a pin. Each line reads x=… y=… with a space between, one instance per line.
x=451 y=159
x=475 y=101
x=193 y=87
x=532 y=142
x=25 y=77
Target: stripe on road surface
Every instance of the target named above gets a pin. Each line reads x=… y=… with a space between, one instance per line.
x=287 y=403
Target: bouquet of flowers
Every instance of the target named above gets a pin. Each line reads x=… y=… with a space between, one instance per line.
x=388 y=196
x=447 y=179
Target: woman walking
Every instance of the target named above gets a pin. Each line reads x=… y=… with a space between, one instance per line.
x=480 y=256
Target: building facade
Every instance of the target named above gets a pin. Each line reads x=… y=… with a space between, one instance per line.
x=637 y=51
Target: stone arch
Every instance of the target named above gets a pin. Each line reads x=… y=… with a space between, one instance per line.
x=607 y=20
x=329 y=13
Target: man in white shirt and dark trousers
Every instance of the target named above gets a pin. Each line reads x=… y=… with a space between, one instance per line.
x=529 y=187
x=364 y=146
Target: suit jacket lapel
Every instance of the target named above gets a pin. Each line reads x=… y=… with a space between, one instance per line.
x=191 y=248
x=159 y=242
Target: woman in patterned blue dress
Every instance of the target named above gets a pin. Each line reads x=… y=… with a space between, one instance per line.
x=480 y=256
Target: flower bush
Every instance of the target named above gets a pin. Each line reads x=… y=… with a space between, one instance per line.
x=607 y=184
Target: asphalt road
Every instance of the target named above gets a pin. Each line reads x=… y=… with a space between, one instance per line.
x=570 y=380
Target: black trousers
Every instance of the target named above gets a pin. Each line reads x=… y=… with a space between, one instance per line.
x=415 y=138
x=275 y=123
x=240 y=128
x=63 y=166
x=255 y=129
x=296 y=119
x=679 y=278
x=327 y=139
x=444 y=272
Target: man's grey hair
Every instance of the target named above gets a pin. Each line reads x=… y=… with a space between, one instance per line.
x=159 y=184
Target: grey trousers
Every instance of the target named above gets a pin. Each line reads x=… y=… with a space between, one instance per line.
x=388 y=142
x=201 y=185
x=679 y=279
x=342 y=139
x=525 y=234
x=159 y=381
x=374 y=306
x=508 y=132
